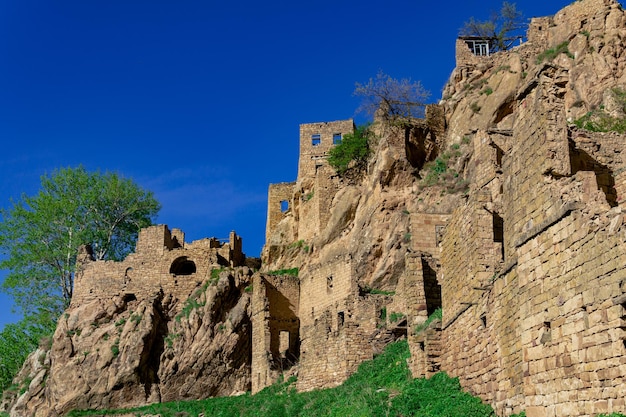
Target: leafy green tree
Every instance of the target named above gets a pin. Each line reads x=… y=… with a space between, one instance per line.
x=352 y=152
x=395 y=98
x=17 y=340
x=40 y=235
x=502 y=29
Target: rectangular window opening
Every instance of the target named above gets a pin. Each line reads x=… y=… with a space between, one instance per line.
x=316 y=139
x=336 y=138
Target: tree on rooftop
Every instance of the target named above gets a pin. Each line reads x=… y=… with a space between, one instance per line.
x=395 y=98
x=40 y=235
x=502 y=29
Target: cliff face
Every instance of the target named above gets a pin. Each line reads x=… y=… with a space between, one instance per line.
x=124 y=352
x=503 y=206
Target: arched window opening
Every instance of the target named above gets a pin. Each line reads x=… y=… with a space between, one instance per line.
x=183 y=266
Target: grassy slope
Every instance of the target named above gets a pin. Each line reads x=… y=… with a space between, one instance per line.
x=382 y=387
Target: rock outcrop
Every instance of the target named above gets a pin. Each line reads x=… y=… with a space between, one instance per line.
x=125 y=352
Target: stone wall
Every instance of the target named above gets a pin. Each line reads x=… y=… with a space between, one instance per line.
x=325 y=284
x=162 y=262
x=337 y=341
x=313 y=153
x=279 y=204
x=275 y=328
x=533 y=286
x=426 y=231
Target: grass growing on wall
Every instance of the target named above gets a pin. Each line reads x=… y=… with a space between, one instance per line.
x=382 y=387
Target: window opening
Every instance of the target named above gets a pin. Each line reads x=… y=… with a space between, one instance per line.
x=316 y=139
x=340 y=318
x=283 y=343
x=284 y=206
x=183 y=266
x=439 y=234
x=336 y=138
x=498 y=231
x=478 y=46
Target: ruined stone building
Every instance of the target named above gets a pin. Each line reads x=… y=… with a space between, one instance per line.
x=528 y=267
x=503 y=206
x=162 y=262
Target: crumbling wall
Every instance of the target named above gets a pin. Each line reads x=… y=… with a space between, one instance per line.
x=426 y=231
x=538 y=324
x=325 y=284
x=161 y=263
x=313 y=154
x=275 y=328
x=337 y=341
x=278 y=195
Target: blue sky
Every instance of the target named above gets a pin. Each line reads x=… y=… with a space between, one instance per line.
x=200 y=101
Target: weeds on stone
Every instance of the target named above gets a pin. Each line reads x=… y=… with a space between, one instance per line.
x=376 y=291
x=599 y=120
x=436 y=315
x=550 y=54
x=169 y=339
x=440 y=172
x=115 y=348
x=291 y=271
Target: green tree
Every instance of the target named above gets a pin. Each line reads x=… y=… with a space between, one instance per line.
x=352 y=152
x=502 y=29
x=17 y=340
x=395 y=98
x=40 y=235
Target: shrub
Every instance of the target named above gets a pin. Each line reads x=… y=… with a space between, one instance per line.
x=352 y=152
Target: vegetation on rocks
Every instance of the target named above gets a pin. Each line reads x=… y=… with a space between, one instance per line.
x=599 y=120
x=550 y=54
x=380 y=387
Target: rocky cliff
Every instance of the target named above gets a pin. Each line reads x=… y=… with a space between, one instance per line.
x=503 y=206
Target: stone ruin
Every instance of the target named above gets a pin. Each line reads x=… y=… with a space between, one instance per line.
x=528 y=268
x=162 y=262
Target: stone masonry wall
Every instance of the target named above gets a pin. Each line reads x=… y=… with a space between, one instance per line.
x=427 y=231
x=162 y=262
x=542 y=328
x=275 y=328
x=313 y=155
x=277 y=194
x=325 y=284
x=336 y=342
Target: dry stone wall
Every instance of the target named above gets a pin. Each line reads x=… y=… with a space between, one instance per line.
x=275 y=328
x=538 y=325
x=163 y=262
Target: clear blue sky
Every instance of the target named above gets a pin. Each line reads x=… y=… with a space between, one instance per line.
x=200 y=101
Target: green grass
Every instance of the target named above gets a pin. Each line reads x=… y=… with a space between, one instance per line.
x=436 y=315
x=599 y=120
x=291 y=271
x=550 y=54
x=382 y=387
